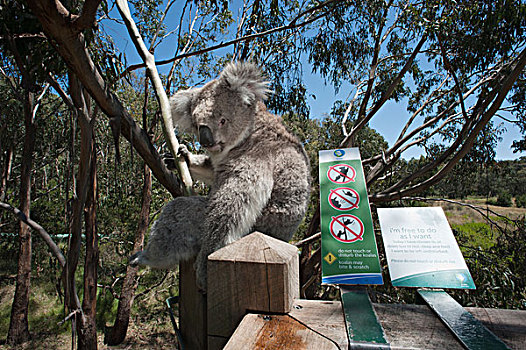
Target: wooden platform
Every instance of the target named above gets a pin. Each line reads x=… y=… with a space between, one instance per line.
x=253 y=303
x=320 y=325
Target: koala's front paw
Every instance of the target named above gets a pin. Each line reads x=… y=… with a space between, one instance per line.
x=169 y=161
x=200 y=272
x=135 y=259
x=183 y=152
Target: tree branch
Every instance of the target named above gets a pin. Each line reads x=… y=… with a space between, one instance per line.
x=39 y=229
x=396 y=150
x=71 y=46
x=471 y=129
x=449 y=68
x=149 y=59
x=480 y=210
x=291 y=25
x=87 y=16
x=361 y=122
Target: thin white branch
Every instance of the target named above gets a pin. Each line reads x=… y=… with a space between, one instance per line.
x=164 y=103
x=38 y=102
x=349 y=108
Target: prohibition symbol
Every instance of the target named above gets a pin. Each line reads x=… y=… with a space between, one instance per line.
x=341 y=173
x=344 y=198
x=346 y=228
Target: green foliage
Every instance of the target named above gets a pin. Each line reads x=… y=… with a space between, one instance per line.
x=5 y=310
x=477 y=234
x=498 y=269
x=504 y=199
x=106 y=308
x=487 y=179
x=520 y=201
x=34 y=52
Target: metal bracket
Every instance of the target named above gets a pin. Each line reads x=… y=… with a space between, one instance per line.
x=468 y=330
x=363 y=329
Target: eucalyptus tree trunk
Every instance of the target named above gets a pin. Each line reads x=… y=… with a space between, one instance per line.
x=88 y=329
x=83 y=319
x=18 y=326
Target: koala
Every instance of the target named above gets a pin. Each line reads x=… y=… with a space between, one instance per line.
x=259 y=174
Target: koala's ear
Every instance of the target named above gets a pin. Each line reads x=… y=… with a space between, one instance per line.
x=246 y=79
x=181 y=105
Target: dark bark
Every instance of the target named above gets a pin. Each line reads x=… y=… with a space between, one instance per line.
x=18 y=326
x=116 y=334
x=87 y=330
x=83 y=315
x=307 y=266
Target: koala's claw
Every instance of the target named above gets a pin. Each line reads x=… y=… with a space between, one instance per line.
x=169 y=161
x=134 y=259
x=183 y=152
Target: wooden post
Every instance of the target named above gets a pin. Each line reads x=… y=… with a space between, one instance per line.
x=257 y=273
x=192 y=308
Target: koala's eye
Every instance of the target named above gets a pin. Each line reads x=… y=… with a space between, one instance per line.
x=222 y=121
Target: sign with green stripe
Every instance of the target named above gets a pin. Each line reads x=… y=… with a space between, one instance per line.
x=349 y=253
x=421 y=249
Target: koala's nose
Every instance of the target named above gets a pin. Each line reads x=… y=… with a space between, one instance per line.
x=206 y=139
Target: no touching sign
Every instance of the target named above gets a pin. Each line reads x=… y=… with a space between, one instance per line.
x=341 y=173
x=348 y=244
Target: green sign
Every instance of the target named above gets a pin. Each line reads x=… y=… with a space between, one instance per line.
x=348 y=244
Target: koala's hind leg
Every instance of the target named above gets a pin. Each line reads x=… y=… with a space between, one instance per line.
x=175 y=235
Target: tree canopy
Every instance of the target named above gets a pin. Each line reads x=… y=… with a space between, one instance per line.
x=90 y=119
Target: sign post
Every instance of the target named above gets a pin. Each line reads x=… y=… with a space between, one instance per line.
x=348 y=243
x=421 y=249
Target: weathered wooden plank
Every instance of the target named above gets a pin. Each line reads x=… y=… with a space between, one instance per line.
x=405 y=326
x=325 y=317
x=276 y=332
x=192 y=309
x=416 y=326
x=508 y=325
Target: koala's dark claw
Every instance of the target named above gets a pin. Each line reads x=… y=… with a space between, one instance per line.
x=134 y=259
x=183 y=152
x=169 y=161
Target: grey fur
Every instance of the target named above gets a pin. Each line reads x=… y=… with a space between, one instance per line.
x=259 y=173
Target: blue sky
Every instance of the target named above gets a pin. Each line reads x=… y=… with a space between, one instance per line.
x=388 y=122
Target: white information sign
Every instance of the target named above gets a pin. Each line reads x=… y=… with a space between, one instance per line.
x=421 y=249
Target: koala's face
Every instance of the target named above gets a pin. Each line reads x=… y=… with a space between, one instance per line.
x=221 y=118
x=221 y=114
